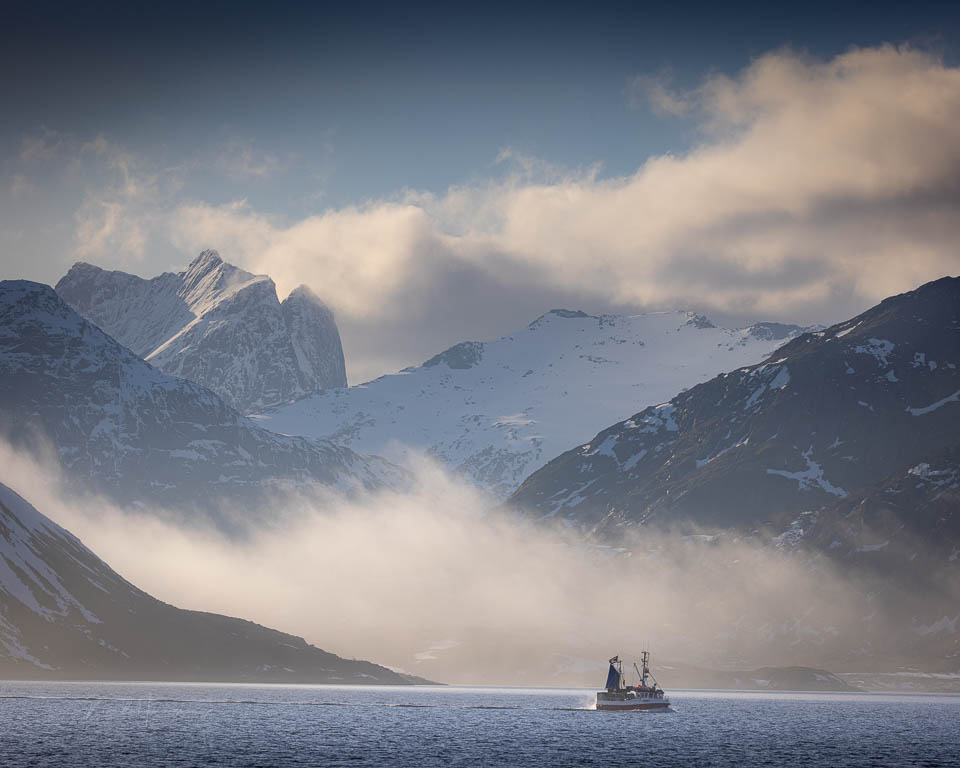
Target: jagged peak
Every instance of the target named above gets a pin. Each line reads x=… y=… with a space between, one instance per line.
x=206 y=260
x=304 y=292
x=209 y=275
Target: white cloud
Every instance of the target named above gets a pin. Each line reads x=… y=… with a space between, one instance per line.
x=819 y=188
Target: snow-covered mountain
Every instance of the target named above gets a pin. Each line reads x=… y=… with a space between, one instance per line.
x=218 y=326
x=496 y=411
x=830 y=413
x=65 y=614
x=129 y=430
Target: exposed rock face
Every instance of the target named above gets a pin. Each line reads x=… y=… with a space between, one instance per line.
x=217 y=326
x=124 y=428
x=495 y=411
x=316 y=340
x=829 y=413
x=65 y=614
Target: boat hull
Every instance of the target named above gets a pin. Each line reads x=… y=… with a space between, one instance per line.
x=631 y=706
x=619 y=701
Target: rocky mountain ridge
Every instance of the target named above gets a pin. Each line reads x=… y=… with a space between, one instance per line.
x=218 y=326
x=125 y=429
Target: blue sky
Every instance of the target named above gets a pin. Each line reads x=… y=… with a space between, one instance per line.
x=134 y=133
x=394 y=95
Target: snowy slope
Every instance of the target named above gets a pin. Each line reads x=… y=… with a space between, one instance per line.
x=831 y=413
x=498 y=410
x=218 y=326
x=127 y=429
x=65 y=614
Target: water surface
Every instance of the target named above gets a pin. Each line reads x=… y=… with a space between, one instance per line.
x=155 y=724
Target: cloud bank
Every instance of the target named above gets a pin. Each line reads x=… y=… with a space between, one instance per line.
x=817 y=188
x=435 y=583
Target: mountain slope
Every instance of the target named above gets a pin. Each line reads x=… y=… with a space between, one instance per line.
x=831 y=412
x=128 y=430
x=911 y=516
x=65 y=614
x=217 y=326
x=495 y=411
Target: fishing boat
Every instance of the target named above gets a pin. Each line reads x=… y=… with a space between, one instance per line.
x=620 y=697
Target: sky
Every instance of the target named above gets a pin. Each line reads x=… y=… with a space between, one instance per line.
x=439 y=173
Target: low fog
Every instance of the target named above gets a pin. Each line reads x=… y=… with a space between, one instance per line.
x=439 y=583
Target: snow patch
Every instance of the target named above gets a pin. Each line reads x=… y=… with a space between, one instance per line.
x=877 y=348
x=604 y=449
x=845 y=331
x=811 y=477
x=934 y=406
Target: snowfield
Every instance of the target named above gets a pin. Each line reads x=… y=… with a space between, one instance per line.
x=497 y=411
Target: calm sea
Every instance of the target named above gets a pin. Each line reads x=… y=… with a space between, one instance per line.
x=150 y=724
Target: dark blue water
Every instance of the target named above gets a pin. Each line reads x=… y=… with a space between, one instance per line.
x=149 y=724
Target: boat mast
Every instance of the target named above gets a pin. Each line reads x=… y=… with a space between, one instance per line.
x=646 y=669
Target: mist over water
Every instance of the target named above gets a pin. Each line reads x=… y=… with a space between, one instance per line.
x=438 y=583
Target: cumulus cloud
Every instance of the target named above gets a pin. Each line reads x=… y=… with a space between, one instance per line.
x=818 y=188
